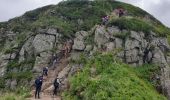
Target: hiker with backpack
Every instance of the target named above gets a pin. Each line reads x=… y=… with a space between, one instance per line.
x=38 y=84
x=56 y=86
x=45 y=71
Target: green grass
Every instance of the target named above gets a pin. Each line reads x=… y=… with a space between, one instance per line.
x=25 y=75
x=131 y=24
x=103 y=78
x=148 y=72
x=20 y=94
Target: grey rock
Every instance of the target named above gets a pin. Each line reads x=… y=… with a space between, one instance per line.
x=79 y=40
x=158 y=57
x=27 y=48
x=75 y=56
x=110 y=46
x=131 y=56
x=131 y=44
x=113 y=30
x=42 y=61
x=88 y=48
x=168 y=60
x=43 y=42
x=75 y=68
x=135 y=35
x=52 y=31
x=118 y=43
x=78 y=45
x=13 y=84
x=101 y=36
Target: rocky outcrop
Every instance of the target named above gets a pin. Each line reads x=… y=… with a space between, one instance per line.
x=79 y=40
x=134 y=48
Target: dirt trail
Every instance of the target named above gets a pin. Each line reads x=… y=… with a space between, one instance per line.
x=47 y=87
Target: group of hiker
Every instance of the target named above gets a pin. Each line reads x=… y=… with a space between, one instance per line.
x=118 y=12
x=55 y=59
x=65 y=51
x=39 y=82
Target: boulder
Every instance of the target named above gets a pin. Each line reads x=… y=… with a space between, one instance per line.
x=42 y=60
x=118 y=43
x=131 y=56
x=27 y=49
x=43 y=42
x=110 y=46
x=101 y=36
x=13 y=84
x=131 y=44
x=113 y=30
x=79 y=40
x=88 y=48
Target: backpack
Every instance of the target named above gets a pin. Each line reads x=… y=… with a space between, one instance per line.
x=56 y=84
x=37 y=82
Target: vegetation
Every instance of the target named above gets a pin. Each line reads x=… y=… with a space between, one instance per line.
x=71 y=16
x=131 y=24
x=105 y=78
x=149 y=72
x=21 y=93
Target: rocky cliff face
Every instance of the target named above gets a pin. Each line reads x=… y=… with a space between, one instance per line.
x=136 y=48
x=24 y=54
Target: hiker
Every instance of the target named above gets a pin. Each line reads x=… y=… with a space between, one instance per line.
x=121 y=12
x=54 y=63
x=45 y=71
x=105 y=20
x=65 y=50
x=38 y=84
x=56 y=85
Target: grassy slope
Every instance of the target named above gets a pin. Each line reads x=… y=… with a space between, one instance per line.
x=104 y=78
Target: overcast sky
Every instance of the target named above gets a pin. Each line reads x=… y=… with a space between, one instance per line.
x=12 y=8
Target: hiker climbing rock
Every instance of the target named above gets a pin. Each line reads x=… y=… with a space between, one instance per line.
x=66 y=48
x=56 y=86
x=45 y=71
x=38 y=84
x=121 y=12
x=54 y=63
x=105 y=20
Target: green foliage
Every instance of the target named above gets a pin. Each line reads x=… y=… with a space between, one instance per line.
x=103 y=78
x=2 y=83
x=148 y=72
x=13 y=64
x=161 y=30
x=89 y=39
x=8 y=50
x=121 y=35
x=131 y=24
x=23 y=91
x=11 y=96
x=80 y=60
x=25 y=75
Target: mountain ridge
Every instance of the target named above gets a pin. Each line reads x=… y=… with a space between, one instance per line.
x=29 y=42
